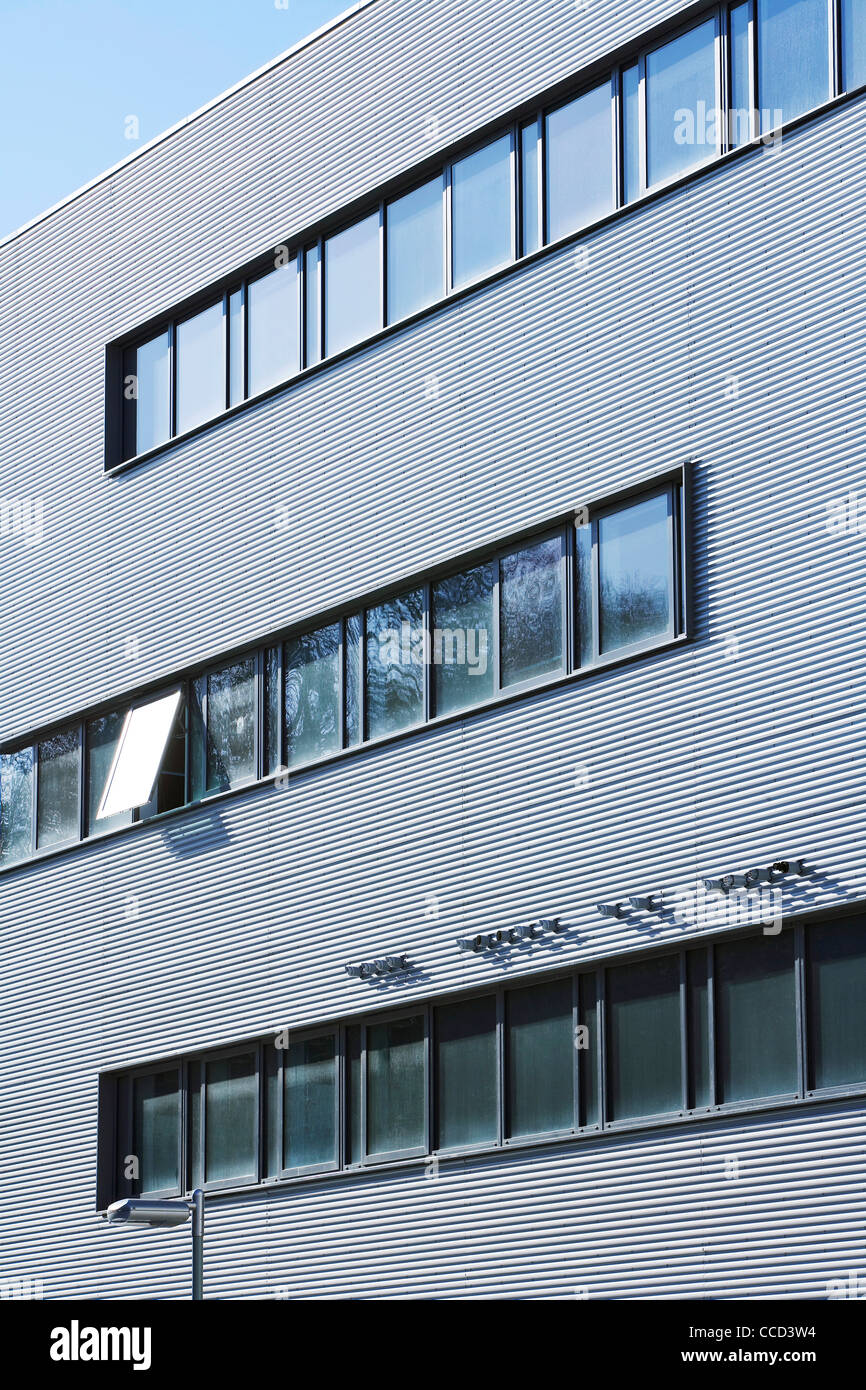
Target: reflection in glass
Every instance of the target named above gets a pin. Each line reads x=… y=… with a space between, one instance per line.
x=466 y=1076
x=156 y=1130
x=793 y=58
x=102 y=738
x=312 y=312
x=541 y=1050
x=579 y=162
x=631 y=133
x=740 y=116
x=354 y=1152
x=588 y=1015
x=354 y=678
x=635 y=573
x=836 y=990
x=16 y=805
x=313 y=694
x=531 y=620
x=681 y=104
x=201 y=368
x=756 y=1034
x=272 y=705
x=395 y=664
x=58 y=785
x=416 y=267
x=698 y=1028
x=462 y=645
x=273 y=327
x=530 y=187
x=853 y=43
x=481 y=196
x=223 y=746
x=231 y=1117
x=146 y=395
x=396 y=1096
x=310 y=1092
x=352 y=285
x=236 y=347
x=644 y=1038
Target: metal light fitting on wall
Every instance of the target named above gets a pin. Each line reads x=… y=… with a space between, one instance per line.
x=382 y=965
x=492 y=941
x=750 y=878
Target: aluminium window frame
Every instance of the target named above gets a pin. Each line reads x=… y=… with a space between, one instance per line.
x=201 y=719
x=444 y=208
x=302 y=1035
x=612 y=79
x=508 y=130
x=718 y=15
x=394 y=1015
x=198 y=1164
x=125 y=1129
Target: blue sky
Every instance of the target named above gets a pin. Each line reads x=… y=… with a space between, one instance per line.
x=72 y=71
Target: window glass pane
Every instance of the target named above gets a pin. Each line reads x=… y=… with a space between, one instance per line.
x=156 y=1130
x=793 y=58
x=354 y=1151
x=170 y=789
x=466 y=1089
x=16 y=805
x=699 y=1028
x=273 y=327
x=530 y=599
x=313 y=328
x=635 y=573
x=103 y=734
x=201 y=368
x=313 y=695
x=853 y=43
x=396 y=1093
x=755 y=1017
x=739 y=117
x=149 y=400
x=231 y=1118
x=310 y=1097
x=644 y=1038
x=273 y=1120
x=836 y=991
x=354 y=678
x=579 y=162
x=416 y=266
x=58 y=789
x=273 y=704
x=588 y=1054
x=462 y=644
x=540 y=1058
x=681 y=101
x=631 y=132
x=395 y=664
x=352 y=308
x=224 y=743
x=236 y=347
x=585 y=616
x=481 y=211
x=143 y=745
x=530 y=187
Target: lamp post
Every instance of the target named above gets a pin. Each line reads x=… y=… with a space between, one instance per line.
x=146 y=1211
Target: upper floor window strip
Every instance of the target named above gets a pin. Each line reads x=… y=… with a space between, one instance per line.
x=573 y=596
x=738 y=73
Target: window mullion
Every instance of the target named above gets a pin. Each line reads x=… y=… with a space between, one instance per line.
x=800 y=1008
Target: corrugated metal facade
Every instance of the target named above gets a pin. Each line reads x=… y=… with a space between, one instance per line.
x=562 y=382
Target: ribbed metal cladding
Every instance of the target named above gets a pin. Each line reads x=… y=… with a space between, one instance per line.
x=562 y=382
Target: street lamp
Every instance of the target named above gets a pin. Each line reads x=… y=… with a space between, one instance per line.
x=145 y=1211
